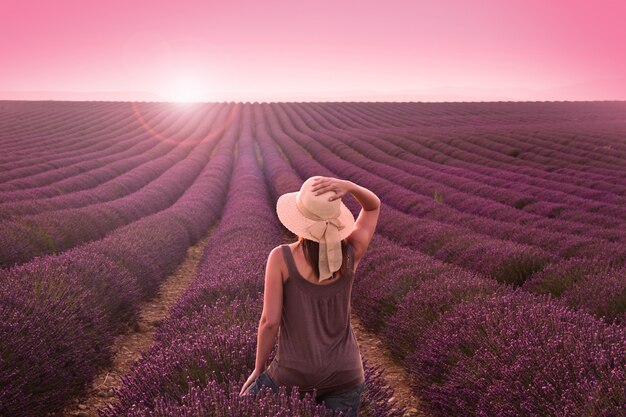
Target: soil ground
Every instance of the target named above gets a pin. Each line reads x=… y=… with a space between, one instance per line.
x=128 y=347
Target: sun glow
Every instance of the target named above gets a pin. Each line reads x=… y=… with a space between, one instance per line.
x=186 y=89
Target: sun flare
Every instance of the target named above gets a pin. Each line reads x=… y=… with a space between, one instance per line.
x=186 y=90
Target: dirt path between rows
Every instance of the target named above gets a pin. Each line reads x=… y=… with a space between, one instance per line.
x=128 y=347
x=373 y=350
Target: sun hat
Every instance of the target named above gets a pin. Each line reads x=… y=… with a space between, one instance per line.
x=316 y=218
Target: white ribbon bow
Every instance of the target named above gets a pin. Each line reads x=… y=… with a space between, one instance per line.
x=326 y=231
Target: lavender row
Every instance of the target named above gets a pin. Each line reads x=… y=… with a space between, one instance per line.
x=52 y=232
x=411 y=114
x=396 y=173
x=365 y=155
x=507 y=155
x=504 y=160
x=206 y=349
x=505 y=266
x=460 y=153
x=572 y=130
x=400 y=197
x=514 y=155
x=599 y=294
x=38 y=178
x=584 y=283
x=592 y=162
x=589 y=283
x=419 y=292
x=504 y=260
x=476 y=347
x=58 y=142
x=574 y=134
x=481 y=169
x=544 y=190
x=442 y=285
x=407 y=114
x=540 y=190
x=16 y=135
x=549 y=209
x=110 y=182
x=86 y=170
x=601 y=393
x=61 y=313
x=26 y=146
x=605 y=303
x=517 y=355
x=473 y=211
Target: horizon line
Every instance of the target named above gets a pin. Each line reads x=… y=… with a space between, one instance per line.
x=316 y=101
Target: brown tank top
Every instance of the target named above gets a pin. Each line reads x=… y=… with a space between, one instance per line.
x=316 y=344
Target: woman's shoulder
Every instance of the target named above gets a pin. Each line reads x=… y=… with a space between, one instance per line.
x=277 y=254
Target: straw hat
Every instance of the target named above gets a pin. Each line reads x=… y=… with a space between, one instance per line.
x=316 y=218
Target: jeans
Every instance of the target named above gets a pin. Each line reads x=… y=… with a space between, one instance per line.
x=347 y=401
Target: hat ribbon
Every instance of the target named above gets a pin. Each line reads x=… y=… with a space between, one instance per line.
x=327 y=233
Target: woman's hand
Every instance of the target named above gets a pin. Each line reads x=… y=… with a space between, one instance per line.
x=255 y=374
x=324 y=184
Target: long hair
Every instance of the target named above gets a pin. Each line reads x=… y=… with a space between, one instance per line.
x=311 y=251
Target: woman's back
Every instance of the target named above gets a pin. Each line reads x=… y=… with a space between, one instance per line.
x=317 y=347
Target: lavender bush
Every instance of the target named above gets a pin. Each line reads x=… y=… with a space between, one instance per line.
x=592 y=284
x=602 y=294
x=518 y=354
x=424 y=304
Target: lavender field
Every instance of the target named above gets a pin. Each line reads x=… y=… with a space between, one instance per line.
x=496 y=277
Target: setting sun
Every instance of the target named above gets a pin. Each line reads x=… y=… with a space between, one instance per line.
x=186 y=89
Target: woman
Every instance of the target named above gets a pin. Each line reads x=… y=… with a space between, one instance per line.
x=308 y=285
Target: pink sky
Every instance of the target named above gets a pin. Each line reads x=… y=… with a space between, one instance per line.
x=273 y=50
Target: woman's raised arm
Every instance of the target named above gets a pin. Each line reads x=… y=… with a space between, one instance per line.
x=365 y=224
